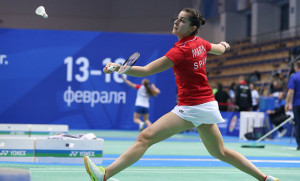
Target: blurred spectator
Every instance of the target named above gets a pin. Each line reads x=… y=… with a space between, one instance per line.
x=277 y=116
x=232 y=97
x=292 y=69
x=255 y=97
x=232 y=92
x=222 y=97
x=243 y=99
x=293 y=99
x=254 y=77
x=295 y=52
x=291 y=62
x=275 y=87
x=276 y=70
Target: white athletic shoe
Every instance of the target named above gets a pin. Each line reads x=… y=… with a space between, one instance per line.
x=282 y=133
x=270 y=178
x=96 y=173
x=141 y=126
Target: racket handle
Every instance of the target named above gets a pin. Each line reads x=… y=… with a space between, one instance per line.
x=111 y=68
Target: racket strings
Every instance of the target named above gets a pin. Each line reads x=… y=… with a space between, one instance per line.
x=129 y=63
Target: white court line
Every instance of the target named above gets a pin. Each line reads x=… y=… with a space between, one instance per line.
x=157 y=169
x=154 y=169
x=203 y=169
x=209 y=160
x=212 y=172
x=179 y=171
x=113 y=179
x=66 y=170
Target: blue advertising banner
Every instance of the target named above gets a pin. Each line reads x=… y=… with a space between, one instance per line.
x=55 y=77
x=233 y=123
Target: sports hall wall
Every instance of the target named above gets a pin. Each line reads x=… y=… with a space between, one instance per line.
x=55 y=77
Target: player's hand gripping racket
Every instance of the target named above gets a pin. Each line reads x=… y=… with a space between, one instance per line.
x=127 y=64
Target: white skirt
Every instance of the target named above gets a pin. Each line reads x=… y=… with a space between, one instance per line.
x=207 y=113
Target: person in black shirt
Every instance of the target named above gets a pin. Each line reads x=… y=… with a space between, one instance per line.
x=243 y=98
x=222 y=97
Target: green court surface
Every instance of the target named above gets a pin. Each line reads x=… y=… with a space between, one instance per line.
x=182 y=157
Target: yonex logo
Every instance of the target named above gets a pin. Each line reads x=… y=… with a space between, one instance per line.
x=4 y=152
x=18 y=153
x=181 y=111
x=73 y=153
x=81 y=153
x=87 y=153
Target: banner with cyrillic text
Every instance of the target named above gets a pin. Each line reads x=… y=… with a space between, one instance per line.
x=56 y=77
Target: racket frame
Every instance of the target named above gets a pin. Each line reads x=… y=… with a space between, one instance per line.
x=122 y=69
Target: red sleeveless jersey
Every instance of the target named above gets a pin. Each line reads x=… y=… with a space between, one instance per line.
x=189 y=57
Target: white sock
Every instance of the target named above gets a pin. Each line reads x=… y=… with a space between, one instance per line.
x=141 y=124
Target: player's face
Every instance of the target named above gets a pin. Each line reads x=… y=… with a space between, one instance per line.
x=182 y=26
x=251 y=86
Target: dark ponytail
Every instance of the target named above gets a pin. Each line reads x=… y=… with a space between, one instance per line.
x=196 y=18
x=147 y=86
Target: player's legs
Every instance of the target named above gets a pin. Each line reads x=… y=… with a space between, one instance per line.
x=136 y=118
x=296 y=111
x=163 y=128
x=213 y=141
x=146 y=119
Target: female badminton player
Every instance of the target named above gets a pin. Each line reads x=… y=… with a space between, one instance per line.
x=142 y=101
x=196 y=104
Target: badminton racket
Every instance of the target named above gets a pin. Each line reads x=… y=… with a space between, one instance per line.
x=127 y=64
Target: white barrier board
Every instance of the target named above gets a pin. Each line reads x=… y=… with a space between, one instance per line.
x=15 y=149
x=47 y=129
x=42 y=150
x=14 y=129
x=32 y=129
x=249 y=120
x=68 y=151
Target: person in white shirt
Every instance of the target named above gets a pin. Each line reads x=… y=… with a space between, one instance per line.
x=231 y=93
x=255 y=97
x=145 y=90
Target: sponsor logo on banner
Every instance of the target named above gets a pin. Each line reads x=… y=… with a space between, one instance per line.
x=82 y=153
x=232 y=123
x=13 y=153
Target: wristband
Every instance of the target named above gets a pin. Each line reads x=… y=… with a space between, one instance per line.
x=224 y=46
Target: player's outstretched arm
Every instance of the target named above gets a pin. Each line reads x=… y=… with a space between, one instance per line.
x=156 y=66
x=128 y=82
x=289 y=100
x=219 y=49
x=159 y=65
x=155 y=89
